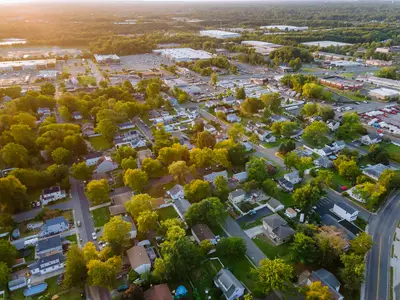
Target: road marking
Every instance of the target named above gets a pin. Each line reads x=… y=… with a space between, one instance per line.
x=379 y=268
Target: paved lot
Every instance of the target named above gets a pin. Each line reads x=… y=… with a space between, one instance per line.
x=144 y=61
x=251 y=218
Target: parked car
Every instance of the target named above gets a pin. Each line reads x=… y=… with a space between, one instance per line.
x=78 y=223
x=94 y=236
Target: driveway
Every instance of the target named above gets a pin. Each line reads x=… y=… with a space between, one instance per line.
x=233 y=229
x=252 y=232
x=251 y=218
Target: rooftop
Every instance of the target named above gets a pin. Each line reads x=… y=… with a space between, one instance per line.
x=138 y=256
x=326 y=44
x=49 y=243
x=203 y=232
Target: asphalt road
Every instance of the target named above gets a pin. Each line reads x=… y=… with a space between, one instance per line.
x=29 y=215
x=382 y=228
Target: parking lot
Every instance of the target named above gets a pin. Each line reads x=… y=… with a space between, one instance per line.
x=144 y=62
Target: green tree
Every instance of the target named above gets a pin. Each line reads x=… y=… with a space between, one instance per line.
x=317 y=291
x=272 y=275
x=205 y=140
x=270 y=188
x=152 y=167
x=97 y=191
x=75 y=267
x=309 y=109
x=272 y=102
x=221 y=187
x=330 y=244
x=197 y=190
x=179 y=170
x=240 y=93
x=13 y=196
x=61 y=156
x=303 y=248
x=134 y=292
x=352 y=273
x=136 y=179
x=349 y=170
x=4 y=274
x=306 y=196
x=291 y=160
x=147 y=221
x=361 y=244
x=104 y=273
x=81 y=171
x=231 y=247
x=90 y=252
x=128 y=163
x=64 y=113
x=316 y=133
x=123 y=152
x=235 y=131
x=15 y=155
x=48 y=89
x=257 y=169
x=107 y=128
x=313 y=91
x=288 y=128
x=214 y=78
x=139 y=203
x=8 y=253
x=117 y=233
x=209 y=211
x=24 y=118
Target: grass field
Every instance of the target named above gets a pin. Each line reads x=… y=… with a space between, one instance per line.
x=100 y=216
x=167 y=213
x=72 y=238
x=285 y=198
x=270 y=250
x=100 y=143
x=338 y=180
x=394 y=152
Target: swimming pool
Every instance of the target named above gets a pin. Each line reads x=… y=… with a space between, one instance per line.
x=35 y=290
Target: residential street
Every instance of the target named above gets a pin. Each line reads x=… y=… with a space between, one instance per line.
x=382 y=228
x=31 y=214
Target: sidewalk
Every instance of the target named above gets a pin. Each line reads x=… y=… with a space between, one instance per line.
x=395 y=264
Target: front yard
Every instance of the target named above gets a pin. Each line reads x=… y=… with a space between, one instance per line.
x=338 y=181
x=100 y=216
x=167 y=213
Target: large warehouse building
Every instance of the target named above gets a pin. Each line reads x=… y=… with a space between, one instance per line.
x=107 y=59
x=341 y=83
x=219 y=34
x=184 y=54
x=326 y=44
x=384 y=94
x=285 y=27
x=18 y=65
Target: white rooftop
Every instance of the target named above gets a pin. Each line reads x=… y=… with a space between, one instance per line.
x=385 y=92
x=19 y=63
x=285 y=27
x=181 y=54
x=100 y=57
x=219 y=34
x=261 y=44
x=326 y=44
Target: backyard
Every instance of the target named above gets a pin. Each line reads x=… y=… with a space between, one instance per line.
x=167 y=213
x=270 y=250
x=394 y=152
x=100 y=143
x=100 y=216
x=338 y=181
x=86 y=80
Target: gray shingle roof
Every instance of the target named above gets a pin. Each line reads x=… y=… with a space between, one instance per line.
x=327 y=277
x=49 y=243
x=227 y=282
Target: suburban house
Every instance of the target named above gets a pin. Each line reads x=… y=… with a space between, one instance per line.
x=290 y=213
x=240 y=177
x=210 y=128
x=262 y=134
x=333 y=125
x=142 y=155
x=132 y=138
x=139 y=259
x=237 y=196
x=327 y=279
x=334 y=227
x=48 y=246
x=87 y=129
x=285 y=184
x=48 y=264
x=274 y=205
x=303 y=152
x=116 y=210
x=323 y=162
x=371 y=139
x=158 y=292
x=44 y=111
x=181 y=206
x=293 y=177
x=221 y=109
x=176 y=192
x=336 y=146
x=211 y=177
x=16 y=284
x=230 y=100
x=202 y=232
x=248 y=146
x=92 y=158
x=278 y=118
x=277 y=229
x=229 y=284
x=326 y=151
x=375 y=171
x=105 y=164
x=54 y=226
x=345 y=211
x=126 y=125
x=211 y=104
x=76 y=115
x=233 y=118
x=51 y=194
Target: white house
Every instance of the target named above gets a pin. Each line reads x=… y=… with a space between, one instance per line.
x=274 y=205
x=176 y=192
x=229 y=285
x=375 y=171
x=44 y=111
x=202 y=232
x=290 y=213
x=371 y=139
x=17 y=284
x=54 y=226
x=323 y=162
x=139 y=259
x=333 y=125
x=232 y=118
x=76 y=115
x=210 y=128
x=336 y=146
x=48 y=264
x=345 y=211
x=230 y=100
x=126 y=125
x=293 y=177
x=326 y=151
x=237 y=196
x=211 y=177
x=92 y=158
x=51 y=194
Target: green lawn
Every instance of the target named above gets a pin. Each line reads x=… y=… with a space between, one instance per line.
x=72 y=238
x=167 y=213
x=309 y=70
x=100 y=143
x=273 y=144
x=338 y=180
x=202 y=278
x=394 y=152
x=100 y=216
x=270 y=250
x=285 y=198
x=87 y=80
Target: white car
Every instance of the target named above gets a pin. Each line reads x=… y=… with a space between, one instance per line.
x=94 y=236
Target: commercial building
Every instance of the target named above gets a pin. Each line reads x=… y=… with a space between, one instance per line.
x=380 y=81
x=285 y=27
x=345 y=64
x=18 y=65
x=326 y=44
x=384 y=94
x=341 y=83
x=183 y=54
x=219 y=34
x=107 y=59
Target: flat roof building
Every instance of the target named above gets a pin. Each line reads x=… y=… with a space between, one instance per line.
x=183 y=54
x=260 y=44
x=18 y=65
x=326 y=44
x=285 y=27
x=219 y=34
x=107 y=59
x=384 y=94
x=380 y=81
x=341 y=83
